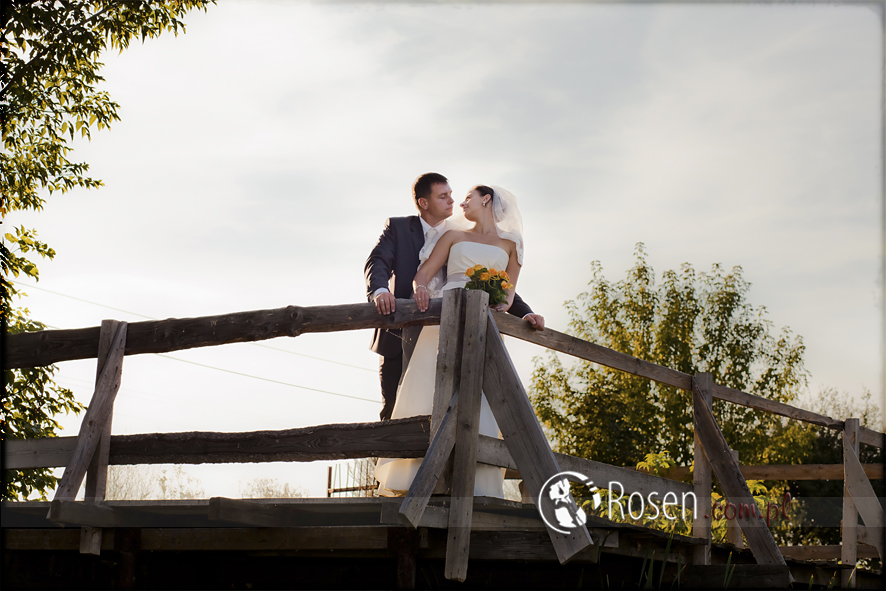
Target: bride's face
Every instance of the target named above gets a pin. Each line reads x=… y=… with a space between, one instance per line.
x=473 y=205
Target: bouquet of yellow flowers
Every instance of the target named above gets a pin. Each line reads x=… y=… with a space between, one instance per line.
x=492 y=281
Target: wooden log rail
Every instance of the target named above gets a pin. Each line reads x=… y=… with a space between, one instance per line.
x=46 y=347
x=34 y=349
x=563 y=343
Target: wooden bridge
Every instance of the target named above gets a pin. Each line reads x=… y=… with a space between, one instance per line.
x=429 y=538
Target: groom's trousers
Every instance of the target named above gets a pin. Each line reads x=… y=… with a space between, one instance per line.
x=392 y=368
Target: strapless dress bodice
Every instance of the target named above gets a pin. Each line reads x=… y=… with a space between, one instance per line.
x=464 y=255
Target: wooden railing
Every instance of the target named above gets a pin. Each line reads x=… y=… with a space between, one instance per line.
x=471 y=355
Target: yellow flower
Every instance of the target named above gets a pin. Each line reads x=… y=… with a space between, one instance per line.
x=477 y=268
x=470 y=272
x=505 y=285
x=504 y=275
x=484 y=276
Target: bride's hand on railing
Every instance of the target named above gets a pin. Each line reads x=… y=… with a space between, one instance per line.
x=422 y=297
x=503 y=307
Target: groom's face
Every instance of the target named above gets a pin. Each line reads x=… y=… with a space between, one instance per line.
x=440 y=202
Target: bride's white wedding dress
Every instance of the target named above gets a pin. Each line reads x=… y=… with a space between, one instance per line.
x=415 y=395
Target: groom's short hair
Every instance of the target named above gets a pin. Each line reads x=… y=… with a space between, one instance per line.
x=421 y=188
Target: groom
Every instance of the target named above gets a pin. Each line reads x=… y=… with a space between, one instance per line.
x=391 y=266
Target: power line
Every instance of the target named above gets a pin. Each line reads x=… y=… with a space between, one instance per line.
x=151 y=318
x=263 y=379
x=229 y=370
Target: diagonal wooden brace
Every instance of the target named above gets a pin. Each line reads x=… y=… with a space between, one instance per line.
x=100 y=408
x=523 y=434
x=863 y=495
x=760 y=539
x=97 y=473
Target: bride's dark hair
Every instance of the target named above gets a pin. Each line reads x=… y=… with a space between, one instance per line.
x=484 y=190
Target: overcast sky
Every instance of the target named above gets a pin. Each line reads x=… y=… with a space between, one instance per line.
x=259 y=155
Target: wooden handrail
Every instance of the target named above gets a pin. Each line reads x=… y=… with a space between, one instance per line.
x=400 y=438
x=34 y=349
x=576 y=347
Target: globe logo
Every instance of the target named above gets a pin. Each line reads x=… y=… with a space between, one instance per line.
x=555 y=503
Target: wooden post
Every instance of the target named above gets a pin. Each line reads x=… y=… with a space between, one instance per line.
x=449 y=348
x=467 y=426
x=701 y=479
x=97 y=473
x=849 y=539
x=448 y=354
x=733 y=530
x=523 y=434
x=714 y=446
x=93 y=425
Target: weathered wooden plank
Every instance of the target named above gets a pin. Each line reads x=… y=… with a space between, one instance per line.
x=871 y=437
x=83 y=513
x=576 y=347
x=248 y=512
x=367 y=537
x=97 y=473
x=701 y=479
x=864 y=497
x=563 y=343
x=399 y=438
x=862 y=492
x=786 y=472
x=870 y=536
x=740 y=576
x=774 y=407
x=523 y=434
x=823 y=552
x=604 y=475
x=46 y=347
x=464 y=454
x=448 y=355
x=431 y=467
x=849 y=530
x=733 y=530
x=449 y=348
x=218 y=539
x=94 y=421
x=758 y=536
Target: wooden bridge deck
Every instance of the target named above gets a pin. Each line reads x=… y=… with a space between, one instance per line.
x=344 y=543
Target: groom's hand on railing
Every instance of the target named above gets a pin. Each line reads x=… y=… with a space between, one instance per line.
x=537 y=321
x=385 y=302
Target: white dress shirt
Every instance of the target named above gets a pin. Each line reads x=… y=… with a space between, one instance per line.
x=425 y=227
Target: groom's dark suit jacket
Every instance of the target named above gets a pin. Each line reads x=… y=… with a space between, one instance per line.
x=396 y=255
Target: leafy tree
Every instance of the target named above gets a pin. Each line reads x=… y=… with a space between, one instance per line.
x=50 y=77
x=690 y=322
x=270 y=488
x=694 y=322
x=179 y=484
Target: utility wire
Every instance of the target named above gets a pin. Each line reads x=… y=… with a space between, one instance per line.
x=264 y=379
x=151 y=318
x=246 y=375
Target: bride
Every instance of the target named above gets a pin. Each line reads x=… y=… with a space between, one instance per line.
x=494 y=241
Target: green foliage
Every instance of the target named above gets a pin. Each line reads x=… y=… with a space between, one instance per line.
x=690 y=322
x=49 y=95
